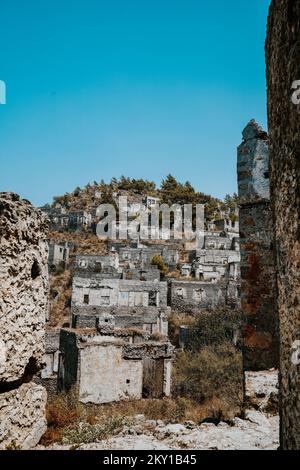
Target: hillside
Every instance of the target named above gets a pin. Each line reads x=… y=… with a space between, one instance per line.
x=169 y=192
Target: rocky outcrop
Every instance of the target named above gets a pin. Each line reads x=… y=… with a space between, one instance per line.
x=283 y=70
x=256 y=432
x=258 y=277
x=23 y=310
x=261 y=391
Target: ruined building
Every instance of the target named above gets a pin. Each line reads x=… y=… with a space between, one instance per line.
x=23 y=308
x=283 y=69
x=105 y=364
x=141 y=304
x=257 y=257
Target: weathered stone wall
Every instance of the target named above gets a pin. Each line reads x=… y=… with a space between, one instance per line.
x=258 y=279
x=194 y=296
x=22 y=416
x=150 y=319
x=23 y=310
x=103 y=368
x=283 y=68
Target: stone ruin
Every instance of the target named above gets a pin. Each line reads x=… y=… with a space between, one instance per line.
x=283 y=69
x=141 y=304
x=258 y=277
x=23 y=309
x=60 y=219
x=105 y=364
x=59 y=253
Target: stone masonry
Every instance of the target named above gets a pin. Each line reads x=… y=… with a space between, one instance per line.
x=283 y=69
x=107 y=364
x=258 y=279
x=23 y=308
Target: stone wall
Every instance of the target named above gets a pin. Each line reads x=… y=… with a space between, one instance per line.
x=194 y=296
x=105 y=367
x=23 y=306
x=258 y=279
x=283 y=68
x=132 y=303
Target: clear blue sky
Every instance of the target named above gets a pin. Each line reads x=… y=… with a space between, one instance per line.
x=143 y=88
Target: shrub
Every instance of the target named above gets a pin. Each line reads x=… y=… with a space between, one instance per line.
x=85 y=432
x=214 y=328
x=158 y=261
x=210 y=373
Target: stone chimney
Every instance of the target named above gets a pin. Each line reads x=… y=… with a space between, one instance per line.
x=260 y=349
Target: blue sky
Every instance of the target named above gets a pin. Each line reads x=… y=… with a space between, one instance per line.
x=144 y=88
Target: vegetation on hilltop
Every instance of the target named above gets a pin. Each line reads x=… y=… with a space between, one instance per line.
x=170 y=192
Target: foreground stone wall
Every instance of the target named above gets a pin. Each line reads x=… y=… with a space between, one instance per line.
x=283 y=68
x=258 y=279
x=23 y=309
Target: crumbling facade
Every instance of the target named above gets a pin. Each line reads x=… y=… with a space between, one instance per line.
x=195 y=296
x=141 y=304
x=107 y=364
x=283 y=69
x=59 y=254
x=258 y=279
x=23 y=309
x=61 y=219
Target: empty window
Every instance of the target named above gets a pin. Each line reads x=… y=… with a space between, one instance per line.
x=86 y=299
x=266 y=175
x=199 y=294
x=152 y=299
x=128 y=381
x=179 y=293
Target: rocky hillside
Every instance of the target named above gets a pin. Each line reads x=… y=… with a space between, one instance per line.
x=170 y=192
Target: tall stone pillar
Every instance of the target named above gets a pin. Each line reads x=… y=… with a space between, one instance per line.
x=23 y=309
x=283 y=69
x=260 y=342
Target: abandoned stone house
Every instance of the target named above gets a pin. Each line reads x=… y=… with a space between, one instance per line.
x=97 y=263
x=141 y=256
x=217 y=260
x=196 y=296
x=227 y=225
x=60 y=218
x=141 y=304
x=58 y=253
x=105 y=365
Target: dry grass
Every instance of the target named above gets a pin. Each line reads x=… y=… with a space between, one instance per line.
x=73 y=422
x=211 y=375
x=60 y=307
